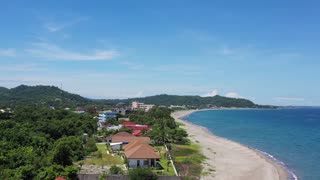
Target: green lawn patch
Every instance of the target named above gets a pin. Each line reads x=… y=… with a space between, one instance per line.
x=164 y=162
x=188 y=159
x=180 y=123
x=100 y=157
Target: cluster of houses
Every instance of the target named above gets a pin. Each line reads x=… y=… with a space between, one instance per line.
x=134 y=147
x=136 y=150
x=137 y=129
x=104 y=116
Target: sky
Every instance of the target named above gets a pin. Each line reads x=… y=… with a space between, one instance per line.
x=265 y=51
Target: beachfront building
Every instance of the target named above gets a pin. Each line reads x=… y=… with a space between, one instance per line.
x=140 y=154
x=135 y=105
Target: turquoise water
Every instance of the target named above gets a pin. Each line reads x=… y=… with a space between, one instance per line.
x=292 y=136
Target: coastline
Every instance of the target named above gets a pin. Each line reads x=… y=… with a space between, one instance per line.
x=230 y=160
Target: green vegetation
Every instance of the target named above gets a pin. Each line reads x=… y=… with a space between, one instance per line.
x=115 y=170
x=188 y=159
x=53 y=96
x=194 y=101
x=3 y=90
x=164 y=162
x=40 y=95
x=100 y=157
x=142 y=174
x=90 y=145
x=180 y=124
x=164 y=127
x=41 y=143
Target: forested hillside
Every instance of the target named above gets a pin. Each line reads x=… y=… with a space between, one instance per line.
x=195 y=101
x=39 y=95
x=53 y=96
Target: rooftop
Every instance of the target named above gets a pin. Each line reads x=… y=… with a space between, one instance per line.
x=139 y=150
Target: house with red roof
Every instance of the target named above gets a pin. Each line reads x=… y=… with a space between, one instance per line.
x=140 y=154
x=60 y=178
x=136 y=128
x=116 y=141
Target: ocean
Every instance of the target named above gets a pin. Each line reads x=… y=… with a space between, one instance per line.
x=290 y=136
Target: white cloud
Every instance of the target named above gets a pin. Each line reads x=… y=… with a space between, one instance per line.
x=52 y=51
x=55 y=27
x=288 y=99
x=212 y=93
x=233 y=95
x=8 y=52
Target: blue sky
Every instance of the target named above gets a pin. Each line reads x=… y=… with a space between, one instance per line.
x=266 y=51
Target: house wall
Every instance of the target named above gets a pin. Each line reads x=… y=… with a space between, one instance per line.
x=134 y=162
x=116 y=147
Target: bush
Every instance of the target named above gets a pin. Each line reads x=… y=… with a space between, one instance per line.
x=99 y=154
x=115 y=170
x=142 y=174
x=90 y=146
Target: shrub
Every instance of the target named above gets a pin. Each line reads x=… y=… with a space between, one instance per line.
x=99 y=154
x=91 y=146
x=115 y=170
x=142 y=174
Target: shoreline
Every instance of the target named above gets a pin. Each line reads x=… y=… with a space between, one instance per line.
x=229 y=159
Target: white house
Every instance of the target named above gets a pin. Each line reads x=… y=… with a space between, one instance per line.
x=116 y=146
x=140 y=154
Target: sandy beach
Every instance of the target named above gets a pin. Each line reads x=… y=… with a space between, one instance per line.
x=230 y=160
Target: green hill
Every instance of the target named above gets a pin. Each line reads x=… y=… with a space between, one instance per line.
x=39 y=95
x=196 y=101
x=53 y=96
x=3 y=90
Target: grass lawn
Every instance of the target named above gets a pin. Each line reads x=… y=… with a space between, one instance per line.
x=180 y=123
x=164 y=162
x=101 y=157
x=188 y=159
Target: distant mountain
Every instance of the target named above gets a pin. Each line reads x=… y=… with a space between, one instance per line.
x=53 y=96
x=40 y=95
x=197 y=101
x=3 y=90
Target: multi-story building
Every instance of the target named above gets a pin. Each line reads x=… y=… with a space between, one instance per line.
x=107 y=115
x=141 y=106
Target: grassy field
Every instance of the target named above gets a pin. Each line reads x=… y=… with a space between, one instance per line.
x=101 y=157
x=180 y=124
x=164 y=162
x=188 y=159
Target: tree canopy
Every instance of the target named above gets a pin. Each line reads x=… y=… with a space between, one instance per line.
x=41 y=143
x=164 y=127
